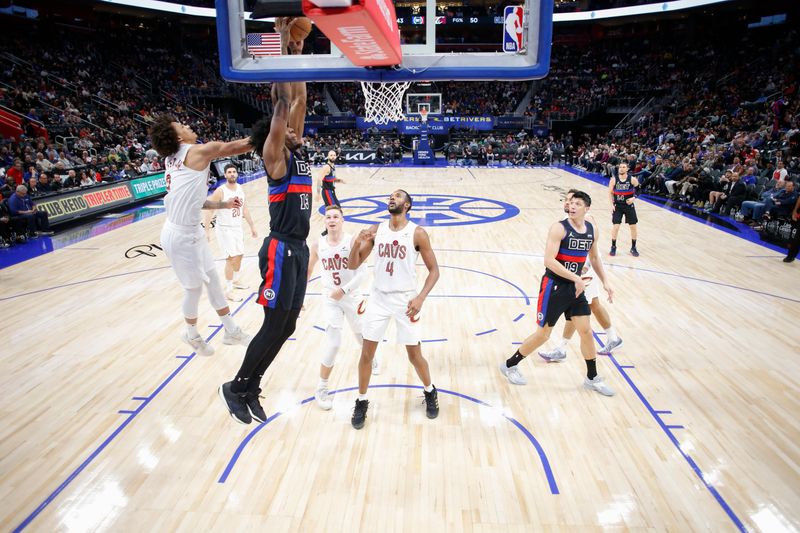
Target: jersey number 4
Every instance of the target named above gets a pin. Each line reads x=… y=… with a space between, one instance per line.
x=390 y=268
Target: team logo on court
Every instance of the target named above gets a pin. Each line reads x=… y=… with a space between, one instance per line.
x=148 y=250
x=269 y=294
x=431 y=210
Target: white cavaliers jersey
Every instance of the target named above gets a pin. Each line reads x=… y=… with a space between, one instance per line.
x=396 y=259
x=231 y=217
x=334 y=263
x=187 y=189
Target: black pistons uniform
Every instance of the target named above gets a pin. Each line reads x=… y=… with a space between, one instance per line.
x=283 y=258
x=556 y=294
x=328 y=186
x=623 y=190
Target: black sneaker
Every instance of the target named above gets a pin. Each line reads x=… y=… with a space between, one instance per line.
x=254 y=406
x=634 y=252
x=613 y=251
x=235 y=403
x=431 y=403
x=360 y=414
x=788 y=259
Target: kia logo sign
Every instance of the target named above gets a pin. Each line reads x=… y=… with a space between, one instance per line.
x=360 y=156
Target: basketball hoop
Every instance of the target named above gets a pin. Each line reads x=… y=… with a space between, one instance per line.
x=423 y=115
x=383 y=102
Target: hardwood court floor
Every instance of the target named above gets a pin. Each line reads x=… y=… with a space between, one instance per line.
x=702 y=434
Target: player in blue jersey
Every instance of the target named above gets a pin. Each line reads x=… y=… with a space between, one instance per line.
x=621 y=192
x=561 y=292
x=283 y=258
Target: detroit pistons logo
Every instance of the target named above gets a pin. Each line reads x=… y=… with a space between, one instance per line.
x=539 y=317
x=431 y=210
x=269 y=294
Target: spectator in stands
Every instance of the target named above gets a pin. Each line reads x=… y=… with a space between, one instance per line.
x=146 y=167
x=42 y=164
x=733 y=194
x=11 y=228
x=16 y=171
x=753 y=211
x=8 y=187
x=69 y=180
x=46 y=185
x=780 y=172
x=128 y=172
x=33 y=187
x=21 y=205
x=783 y=202
x=85 y=179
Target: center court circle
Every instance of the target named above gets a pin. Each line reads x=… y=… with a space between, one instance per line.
x=432 y=210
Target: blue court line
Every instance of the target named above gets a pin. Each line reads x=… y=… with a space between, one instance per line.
x=674 y=427
x=486 y=332
x=637 y=269
x=519 y=316
x=131 y=415
x=627 y=366
x=663 y=412
x=668 y=431
x=434 y=340
x=542 y=456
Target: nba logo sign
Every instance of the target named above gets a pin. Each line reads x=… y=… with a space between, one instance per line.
x=512 y=29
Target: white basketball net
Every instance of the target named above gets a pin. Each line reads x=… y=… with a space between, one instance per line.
x=383 y=102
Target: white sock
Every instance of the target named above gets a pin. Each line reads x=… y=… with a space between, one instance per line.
x=429 y=388
x=192 y=330
x=229 y=285
x=323 y=384
x=562 y=345
x=362 y=397
x=611 y=335
x=227 y=321
x=236 y=274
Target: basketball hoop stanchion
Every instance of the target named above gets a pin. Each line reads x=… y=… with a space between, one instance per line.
x=423 y=155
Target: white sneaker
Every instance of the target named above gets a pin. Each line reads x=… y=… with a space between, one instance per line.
x=236 y=337
x=554 y=356
x=233 y=297
x=200 y=346
x=598 y=385
x=513 y=374
x=376 y=367
x=240 y=285
x=611 y=346
x=323 y=399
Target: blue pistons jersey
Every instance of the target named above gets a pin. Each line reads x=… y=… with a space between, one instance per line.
x=574 y=248
x=290 y=200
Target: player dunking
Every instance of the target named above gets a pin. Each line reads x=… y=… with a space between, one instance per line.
x=283 y=258
x=187 y=167
x=621 y=192
x=592 y=292
x=569 y=243
x=394 y=295
x=342 y=293
x=228 y=228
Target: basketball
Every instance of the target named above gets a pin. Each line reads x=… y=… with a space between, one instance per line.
x=300 y=29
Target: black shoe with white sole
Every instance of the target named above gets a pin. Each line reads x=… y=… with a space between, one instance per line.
x=235 y=403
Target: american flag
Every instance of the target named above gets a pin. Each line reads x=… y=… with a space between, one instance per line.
x=264 y=44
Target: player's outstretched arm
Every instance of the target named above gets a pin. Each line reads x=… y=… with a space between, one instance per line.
x=362 y=247
x=215 y=201
x=215 y=197
x=422 y=243
x=201 y=155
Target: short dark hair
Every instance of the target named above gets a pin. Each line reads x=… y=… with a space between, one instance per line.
x=163 y=136
x=408 y=199
x=230 y=165
x=580 y=195
x=259 y=134
x=572 y=191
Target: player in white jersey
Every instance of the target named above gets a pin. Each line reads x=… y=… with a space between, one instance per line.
x=394 y=295
x=342 y=293
x=186 y=173
x=228 y=228
x=592 y=292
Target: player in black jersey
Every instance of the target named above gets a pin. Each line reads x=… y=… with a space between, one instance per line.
x=328 y=181
x=621 y=192
x=283 y=258
x=569 y=243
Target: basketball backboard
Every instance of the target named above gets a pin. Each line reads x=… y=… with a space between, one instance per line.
x=437 y=37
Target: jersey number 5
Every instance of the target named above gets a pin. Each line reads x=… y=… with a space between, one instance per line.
x=337 y=280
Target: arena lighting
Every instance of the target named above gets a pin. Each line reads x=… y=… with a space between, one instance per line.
x=647 y=9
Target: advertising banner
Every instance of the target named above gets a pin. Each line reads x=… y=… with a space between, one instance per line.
x=148 y=186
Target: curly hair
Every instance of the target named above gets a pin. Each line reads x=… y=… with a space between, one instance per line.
x=163 y=136
x=259 y=134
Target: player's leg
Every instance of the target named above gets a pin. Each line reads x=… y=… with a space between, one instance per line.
x=423 y=371
x=237 y=272
x=592 y=380
x=552 y=302
x=233 y=333
x=559 y=353
x=616 y=220
x=333 y=340
x=613 y=341
x=229 y=270
x=632 y=220
x=375 y=321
